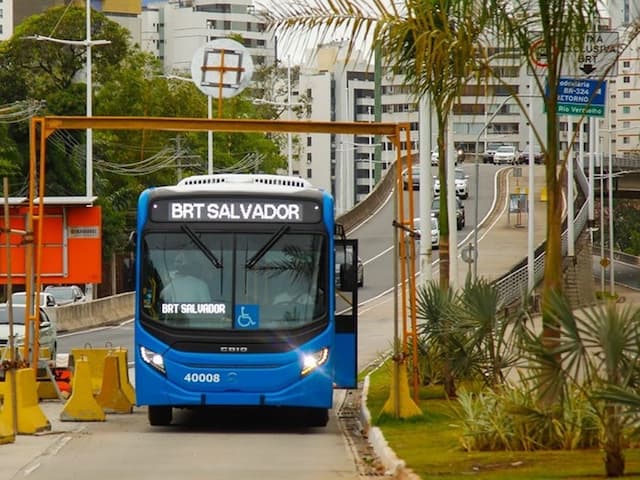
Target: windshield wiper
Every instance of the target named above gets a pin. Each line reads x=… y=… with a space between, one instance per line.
x=267 y=246
x=207 y=253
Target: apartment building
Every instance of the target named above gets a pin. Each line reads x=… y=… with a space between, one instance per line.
x=173 y=30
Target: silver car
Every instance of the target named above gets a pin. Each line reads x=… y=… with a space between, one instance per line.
x=66 y=294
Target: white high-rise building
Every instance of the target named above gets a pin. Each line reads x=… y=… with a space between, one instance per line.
x=173 y=30
x=6 y=19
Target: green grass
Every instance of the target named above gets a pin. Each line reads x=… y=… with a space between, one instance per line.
x=429 y=445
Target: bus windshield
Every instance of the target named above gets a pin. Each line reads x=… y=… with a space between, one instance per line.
x=234 y=280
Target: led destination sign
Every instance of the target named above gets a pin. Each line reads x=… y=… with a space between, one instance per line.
x=235 y=210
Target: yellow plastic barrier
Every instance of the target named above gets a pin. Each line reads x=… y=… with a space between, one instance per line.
x=7 y=433
x=111 y=397
x=123 y=369
x=543 y=194
x=95 y=358
x=82 y=406
x=31 y=418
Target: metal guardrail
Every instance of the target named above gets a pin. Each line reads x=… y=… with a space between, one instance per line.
x=513 y=286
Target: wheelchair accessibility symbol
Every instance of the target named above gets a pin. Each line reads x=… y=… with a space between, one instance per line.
x=246 y=316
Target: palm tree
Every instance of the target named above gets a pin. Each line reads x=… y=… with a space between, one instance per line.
x=598 y=355
x=434 y=43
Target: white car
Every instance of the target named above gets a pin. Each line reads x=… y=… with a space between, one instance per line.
x=435 y=231
x=47 y=302
x=48 y=330
x=505 y=154
x=46 y=299
x=462 y=184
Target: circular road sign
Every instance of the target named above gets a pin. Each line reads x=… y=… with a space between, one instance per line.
x=537 y=54
x=221 y=68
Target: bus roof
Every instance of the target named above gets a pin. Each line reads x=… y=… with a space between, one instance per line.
x=253 y=182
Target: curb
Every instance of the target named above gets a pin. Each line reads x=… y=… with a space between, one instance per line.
x=394 y=467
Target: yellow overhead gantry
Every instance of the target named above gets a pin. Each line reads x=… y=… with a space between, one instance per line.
x=43 y=127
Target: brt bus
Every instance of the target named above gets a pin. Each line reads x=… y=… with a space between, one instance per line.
x=235 y=297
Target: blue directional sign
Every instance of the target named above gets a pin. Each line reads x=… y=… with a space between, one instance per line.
x=581 y=96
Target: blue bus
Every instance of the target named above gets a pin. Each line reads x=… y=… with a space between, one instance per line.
x=235 y=297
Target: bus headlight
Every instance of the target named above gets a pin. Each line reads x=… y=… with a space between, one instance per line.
x=152 y=358
x=311 y=361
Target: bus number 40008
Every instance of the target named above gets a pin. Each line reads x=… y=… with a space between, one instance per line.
x=193 y=377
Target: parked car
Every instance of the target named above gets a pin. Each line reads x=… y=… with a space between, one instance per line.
x=345 y=256
x=48 y=331
x=538 y=157
x=462 y=184
x=460 y=215
x=66 y=294
x=505 y=154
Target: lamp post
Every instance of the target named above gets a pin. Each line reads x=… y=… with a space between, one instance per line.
x=88 y=43
x=610 y=176
x=487 y=122
x=209 y=117
x=261 y=101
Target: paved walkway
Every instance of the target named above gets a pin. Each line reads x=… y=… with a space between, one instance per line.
x=503 y=238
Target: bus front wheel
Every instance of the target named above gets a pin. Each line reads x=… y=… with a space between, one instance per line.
x=160 y=416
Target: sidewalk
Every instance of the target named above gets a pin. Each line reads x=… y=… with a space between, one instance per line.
x=503 y=237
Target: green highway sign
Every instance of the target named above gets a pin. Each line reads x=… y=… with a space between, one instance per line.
x=581 y=96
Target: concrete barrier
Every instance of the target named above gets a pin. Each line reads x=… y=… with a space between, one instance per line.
x=103 y=311
x=370 y=203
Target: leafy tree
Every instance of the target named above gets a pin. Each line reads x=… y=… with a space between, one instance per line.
x=46 y=66
x=48 y=71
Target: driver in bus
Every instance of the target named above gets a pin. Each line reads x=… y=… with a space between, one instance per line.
x=185 y=286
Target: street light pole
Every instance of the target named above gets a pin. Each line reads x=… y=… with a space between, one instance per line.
x=88 y=43
x=289 y=138
x=89 y=165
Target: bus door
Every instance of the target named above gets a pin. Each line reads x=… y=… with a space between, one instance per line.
x=346 y=301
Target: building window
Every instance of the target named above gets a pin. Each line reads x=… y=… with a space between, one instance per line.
x=309 y=141
x=309 y=173
x=626 y=140
x=626 y=79
x=626 y=64
x=626 y=109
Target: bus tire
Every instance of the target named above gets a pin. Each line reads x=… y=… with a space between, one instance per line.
x=317 y=417
x=160 y=416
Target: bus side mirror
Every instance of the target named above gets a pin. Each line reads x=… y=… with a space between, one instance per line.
x=347 y=277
